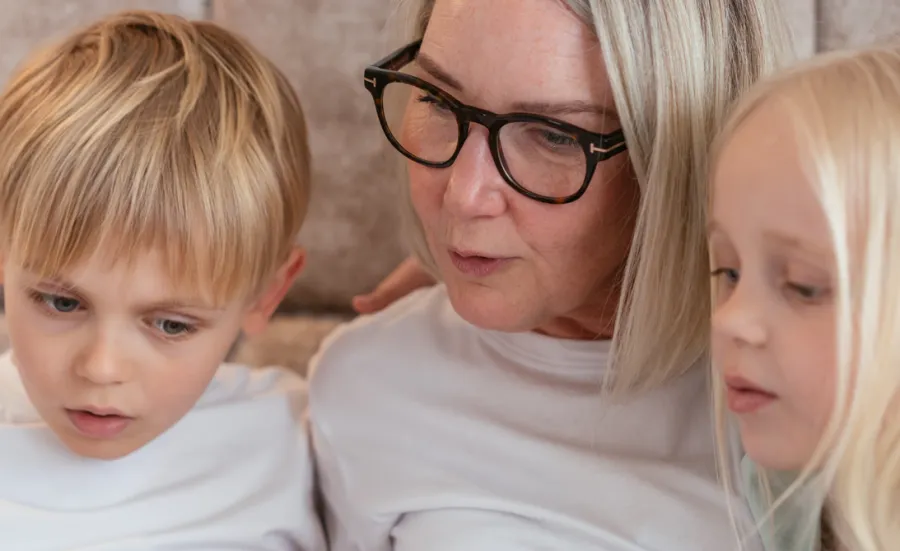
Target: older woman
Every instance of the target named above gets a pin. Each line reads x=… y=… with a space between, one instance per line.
x=557 y=157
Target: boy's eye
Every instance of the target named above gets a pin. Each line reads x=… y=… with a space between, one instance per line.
x=173 y=328
x=59 y=303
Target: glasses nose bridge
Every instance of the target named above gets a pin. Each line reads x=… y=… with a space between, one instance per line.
x=480 y=117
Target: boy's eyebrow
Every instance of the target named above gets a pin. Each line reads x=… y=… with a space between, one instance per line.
x=61 y=284
x=166 y=304
x=174 y=304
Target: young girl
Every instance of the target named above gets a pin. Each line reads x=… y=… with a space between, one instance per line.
x=805 y=249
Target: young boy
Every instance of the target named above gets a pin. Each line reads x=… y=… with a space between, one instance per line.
x=154 y=175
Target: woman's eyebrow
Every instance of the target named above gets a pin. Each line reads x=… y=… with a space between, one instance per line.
x=431 y=67
x=546 y=108
x=562 y=108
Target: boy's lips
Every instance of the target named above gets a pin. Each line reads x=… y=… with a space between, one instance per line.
x=99 y=423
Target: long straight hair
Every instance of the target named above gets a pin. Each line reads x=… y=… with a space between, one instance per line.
x=844 y=110
x=675 y=68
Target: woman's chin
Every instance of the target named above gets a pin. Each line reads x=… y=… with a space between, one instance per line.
x=491 y=308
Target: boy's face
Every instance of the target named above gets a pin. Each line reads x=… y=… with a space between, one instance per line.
x=774 y=320
x=113 y=355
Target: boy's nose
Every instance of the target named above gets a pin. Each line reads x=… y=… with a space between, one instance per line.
x=103 y=364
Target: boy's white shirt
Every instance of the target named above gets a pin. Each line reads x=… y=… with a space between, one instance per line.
x=234 y=473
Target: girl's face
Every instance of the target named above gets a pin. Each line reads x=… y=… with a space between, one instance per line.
x=774 y=316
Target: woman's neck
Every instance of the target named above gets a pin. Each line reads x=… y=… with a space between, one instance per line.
x=595 y=320
x=570 y=328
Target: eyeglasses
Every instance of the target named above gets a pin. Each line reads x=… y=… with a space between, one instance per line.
x=543 y=158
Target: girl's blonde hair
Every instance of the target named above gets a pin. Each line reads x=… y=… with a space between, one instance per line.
x=675 y=70
x=145 y=130
x=844 y=110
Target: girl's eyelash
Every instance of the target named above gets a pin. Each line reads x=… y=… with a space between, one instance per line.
x=718 y=272
x=808 y=293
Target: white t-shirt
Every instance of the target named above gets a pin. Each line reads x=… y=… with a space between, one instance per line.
x=234 y=473
x=433 y=435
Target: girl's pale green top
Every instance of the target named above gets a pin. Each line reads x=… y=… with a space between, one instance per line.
x=793 y=526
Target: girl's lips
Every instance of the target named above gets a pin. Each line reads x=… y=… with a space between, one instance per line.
x=744 y=396
x=747 y=401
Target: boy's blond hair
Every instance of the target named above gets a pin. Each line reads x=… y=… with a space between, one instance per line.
x=147 y=131
x=844 y=111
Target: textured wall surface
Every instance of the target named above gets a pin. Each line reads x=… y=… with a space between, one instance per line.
x=323 y=46
x=801 y=19
x=25 y=25
x=857 y=22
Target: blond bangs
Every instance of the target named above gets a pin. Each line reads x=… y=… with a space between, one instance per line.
x=149 y=132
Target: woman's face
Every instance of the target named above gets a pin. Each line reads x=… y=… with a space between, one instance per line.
x=509 y=262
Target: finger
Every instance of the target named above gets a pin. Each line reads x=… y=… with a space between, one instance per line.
x=383 y=296
x=363 y=304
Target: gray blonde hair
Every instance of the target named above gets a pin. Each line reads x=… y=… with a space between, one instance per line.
x=675 y=68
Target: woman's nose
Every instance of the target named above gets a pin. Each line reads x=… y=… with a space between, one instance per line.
x=475 y=188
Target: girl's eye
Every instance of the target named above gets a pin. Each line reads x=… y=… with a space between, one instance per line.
x=730 y=275
x=807 y=293
x=58 y=303
x=726 y=281
x=173 y=328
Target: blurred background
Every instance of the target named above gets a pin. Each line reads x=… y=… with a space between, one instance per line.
x=352 y=233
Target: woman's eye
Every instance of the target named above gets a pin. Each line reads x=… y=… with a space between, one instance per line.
x=59 y=303
x=434 y=102
x=173 y=328
x=558 y=139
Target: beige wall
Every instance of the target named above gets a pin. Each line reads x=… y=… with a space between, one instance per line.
x=323 y=46
x=25 y=24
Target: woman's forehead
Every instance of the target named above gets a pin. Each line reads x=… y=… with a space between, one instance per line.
x=507 y=54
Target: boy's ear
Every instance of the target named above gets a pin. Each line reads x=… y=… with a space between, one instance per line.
x=256 y=319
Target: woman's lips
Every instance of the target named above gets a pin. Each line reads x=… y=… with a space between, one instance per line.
x=474 y=264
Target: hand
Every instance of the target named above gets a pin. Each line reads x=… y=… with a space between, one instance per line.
x=406 y=278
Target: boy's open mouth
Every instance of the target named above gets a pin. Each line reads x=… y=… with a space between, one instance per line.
x=98 y=423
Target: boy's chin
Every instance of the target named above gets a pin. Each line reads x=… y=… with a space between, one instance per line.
x=104 y=450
